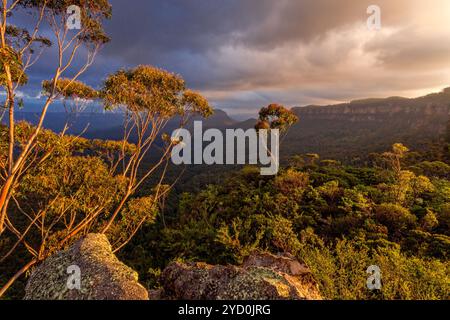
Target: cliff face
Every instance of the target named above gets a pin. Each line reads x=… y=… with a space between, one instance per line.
x=433 y=106
x=380 y=113
x=357 y=128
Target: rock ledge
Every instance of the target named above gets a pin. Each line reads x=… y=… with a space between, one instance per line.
x=103 y=276
x=263 y=276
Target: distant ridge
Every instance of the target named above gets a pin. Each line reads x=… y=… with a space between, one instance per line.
x=349 y=130
x=342 y=131
x=431 y=104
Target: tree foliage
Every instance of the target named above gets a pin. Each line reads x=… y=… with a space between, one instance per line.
x=276 y=116
x=338 y=219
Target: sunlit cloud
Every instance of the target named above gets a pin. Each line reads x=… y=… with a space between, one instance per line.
x=245 y=54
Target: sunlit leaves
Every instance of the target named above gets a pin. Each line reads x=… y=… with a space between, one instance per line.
x=93 y=12
x=196 y=103
x=9 y=57
x=276 y=116
x=137 y=212
x=143 y=89
x=18 y=37
x=152 y=90
x=71 y=89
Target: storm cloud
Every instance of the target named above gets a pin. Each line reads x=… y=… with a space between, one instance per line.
x=243 y=54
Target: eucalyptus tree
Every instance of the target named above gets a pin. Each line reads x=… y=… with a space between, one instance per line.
x=150 y=98
x=278 y=118
x=73 y=186
x=21 y=47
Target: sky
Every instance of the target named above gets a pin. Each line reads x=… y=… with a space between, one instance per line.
x=244 y=54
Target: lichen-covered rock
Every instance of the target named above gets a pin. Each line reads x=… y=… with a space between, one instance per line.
x=262 y=276
x=102 y=275
x=285 y=263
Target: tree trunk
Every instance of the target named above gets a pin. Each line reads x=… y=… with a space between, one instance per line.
x=116 y=212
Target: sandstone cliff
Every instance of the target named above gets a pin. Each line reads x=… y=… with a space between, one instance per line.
x=354 y=130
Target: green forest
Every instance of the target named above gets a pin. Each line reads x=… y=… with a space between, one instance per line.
x=339 y=204
x=337 y=218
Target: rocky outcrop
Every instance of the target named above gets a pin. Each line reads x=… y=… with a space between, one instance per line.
x=261 y=277
x=102 y=275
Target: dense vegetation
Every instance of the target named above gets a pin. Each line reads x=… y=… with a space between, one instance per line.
x=337 y=218
x=393 y=211
x=70 y=186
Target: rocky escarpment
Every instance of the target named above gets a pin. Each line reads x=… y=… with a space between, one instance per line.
x=352 y=131
x=102 y=275
x=432 y=106
x=263 y=276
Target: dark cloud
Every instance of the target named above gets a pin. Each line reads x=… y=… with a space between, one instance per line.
x=246 y=53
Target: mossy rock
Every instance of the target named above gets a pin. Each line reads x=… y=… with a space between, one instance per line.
x=255 y=280
x=102 y=275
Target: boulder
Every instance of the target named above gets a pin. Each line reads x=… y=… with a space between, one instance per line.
x=285 y=263
x=102 y=275
x=263 y=276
